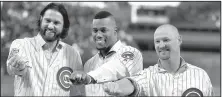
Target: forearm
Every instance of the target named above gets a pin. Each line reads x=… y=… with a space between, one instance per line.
x=126 y=87
x=109 y=71
x=10 y=70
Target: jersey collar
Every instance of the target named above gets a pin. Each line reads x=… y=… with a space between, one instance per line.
x=182 y=68
x=116 y=46
x=41 y=42
x=114 y=49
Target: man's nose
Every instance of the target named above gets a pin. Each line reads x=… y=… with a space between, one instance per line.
x=99 y=35
x=162 y=45
x=51 y=26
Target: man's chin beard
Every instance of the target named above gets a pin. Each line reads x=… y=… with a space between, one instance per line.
x=50 y=39
x=101 y=48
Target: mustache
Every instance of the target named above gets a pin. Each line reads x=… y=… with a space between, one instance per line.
x=57 y=35
x=53 y=31
x=164 y=48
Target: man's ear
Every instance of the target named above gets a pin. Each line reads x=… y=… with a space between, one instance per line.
x=40 y=18
x=116 y=29
x=180 y=39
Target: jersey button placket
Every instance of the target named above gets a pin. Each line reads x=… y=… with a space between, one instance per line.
x=175 y=81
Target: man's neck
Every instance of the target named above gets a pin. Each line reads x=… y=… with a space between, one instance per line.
x=105 y=51
x=50 y=46
x=171 y=65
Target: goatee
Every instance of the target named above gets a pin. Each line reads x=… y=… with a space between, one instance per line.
x=49 y=39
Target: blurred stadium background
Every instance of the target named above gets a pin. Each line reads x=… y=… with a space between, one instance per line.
x=198 y=23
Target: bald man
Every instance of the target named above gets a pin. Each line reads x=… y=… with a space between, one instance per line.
x=171 y=76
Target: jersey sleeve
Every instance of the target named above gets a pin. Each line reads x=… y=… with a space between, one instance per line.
x=77 y=90
x=132 y=59
x=16 y=48
x=88 y=64
x=79 y=65
x=208 y=85
x=142 y=83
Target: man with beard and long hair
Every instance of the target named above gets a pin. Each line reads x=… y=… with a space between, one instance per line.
x=171 y=76
x=42 y=64
x=113 y=61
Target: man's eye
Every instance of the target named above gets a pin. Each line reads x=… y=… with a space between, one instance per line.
x=103 y=30
x=56 y=23
x=95 y=30
x=47 y=20
x=166 y=40
x=157 y=41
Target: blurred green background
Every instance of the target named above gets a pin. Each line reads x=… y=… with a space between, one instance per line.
x=198 y=23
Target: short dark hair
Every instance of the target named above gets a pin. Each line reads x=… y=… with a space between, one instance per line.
x=102 y=14
x=60 y=8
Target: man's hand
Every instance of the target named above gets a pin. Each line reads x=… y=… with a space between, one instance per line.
x=121 y=87
x=112 y=88
x=79 y=78
x=18 y=62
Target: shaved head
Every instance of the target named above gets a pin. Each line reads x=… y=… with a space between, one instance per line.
x=167 y=41
x=167 y=29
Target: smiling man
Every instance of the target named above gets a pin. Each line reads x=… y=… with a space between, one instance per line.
x=40 y=64
x=171 y=76
x=113 y=61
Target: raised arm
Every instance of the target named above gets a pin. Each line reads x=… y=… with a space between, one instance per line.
x=17 y=62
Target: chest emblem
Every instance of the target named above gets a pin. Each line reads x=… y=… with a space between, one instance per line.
x=192 y=92
x=62 y=78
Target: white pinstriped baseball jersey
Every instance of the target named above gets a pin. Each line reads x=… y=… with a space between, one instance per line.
x=155 y=81
x=133 y=62
x=41 y=76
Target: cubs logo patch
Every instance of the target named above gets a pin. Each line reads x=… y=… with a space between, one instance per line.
x=128 y=55
x=62 y=78
x=13 y=52
x=192 y=92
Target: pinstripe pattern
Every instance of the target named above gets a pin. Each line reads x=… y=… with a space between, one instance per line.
x=133 y=66
x=155 y=81
x=40 y=79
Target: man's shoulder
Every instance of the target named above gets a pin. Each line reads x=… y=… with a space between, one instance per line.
x=196 y=68
x=22 y=41
x=65 y=45
x=92 y=59
x=152 y=68
x=128 y=49
x=68 y=47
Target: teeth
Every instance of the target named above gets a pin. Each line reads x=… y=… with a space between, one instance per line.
x=99 y=41
x=48 y=31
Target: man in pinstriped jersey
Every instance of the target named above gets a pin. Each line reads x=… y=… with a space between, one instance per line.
x=42 y=64
x=171 y=76
x=113 y=61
